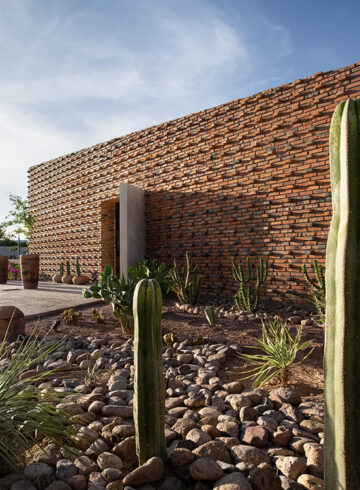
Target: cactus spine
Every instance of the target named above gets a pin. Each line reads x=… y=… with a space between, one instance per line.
x=247 y=297
x=342 y=337
x=149 y=383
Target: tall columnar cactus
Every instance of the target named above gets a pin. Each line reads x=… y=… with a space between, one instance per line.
x=77 y=267
x=67 y=265
x=342 y=337
x=61 y=269
x=149 y=385
x=247 y=297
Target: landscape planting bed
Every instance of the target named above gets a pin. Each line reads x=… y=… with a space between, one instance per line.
x=219 y=431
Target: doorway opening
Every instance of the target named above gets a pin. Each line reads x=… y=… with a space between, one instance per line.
x=110 y=239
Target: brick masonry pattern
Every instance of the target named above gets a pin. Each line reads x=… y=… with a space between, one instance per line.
x=249 y=177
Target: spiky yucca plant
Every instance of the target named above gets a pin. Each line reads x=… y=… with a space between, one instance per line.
x=279 y=351
x=26 y=414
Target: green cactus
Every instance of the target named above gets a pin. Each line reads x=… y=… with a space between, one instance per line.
x=317 y=288
x=149 y=383
x=117 y=292
x=77 y=267
x=247 y=297
x=185 y=282
x=342 y=319
x=61 y=269
x=67 y=265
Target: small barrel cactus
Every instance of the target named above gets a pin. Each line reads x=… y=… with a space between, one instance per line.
x=342 y=316
x=149 y=383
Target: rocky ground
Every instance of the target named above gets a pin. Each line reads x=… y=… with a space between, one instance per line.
x=219 y=433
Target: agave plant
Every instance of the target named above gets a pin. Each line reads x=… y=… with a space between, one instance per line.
x=212 y=315
x=279 y=352
x=27 y=414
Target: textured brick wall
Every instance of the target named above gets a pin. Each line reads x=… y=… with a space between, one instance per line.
x=247 y=177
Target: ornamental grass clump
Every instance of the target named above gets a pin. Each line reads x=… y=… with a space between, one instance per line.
x=27 y=414
x=279 y=352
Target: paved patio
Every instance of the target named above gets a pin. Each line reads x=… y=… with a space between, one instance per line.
x=48 y=299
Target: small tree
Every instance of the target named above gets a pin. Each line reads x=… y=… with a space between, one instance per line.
x=21 y=217
x=3 y=235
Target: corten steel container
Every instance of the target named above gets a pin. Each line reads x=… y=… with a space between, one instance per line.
x=29 y=265
x=4 y=262
x=12 y=322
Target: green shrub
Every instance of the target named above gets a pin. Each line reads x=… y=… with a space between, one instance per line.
x=148 y=269
x=26 y=415
x=117 y=292
x=185 y=282
x=279 y=351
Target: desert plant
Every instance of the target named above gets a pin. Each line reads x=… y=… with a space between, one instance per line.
x=279 y=351
x=26 y=414
x=185 y=282
x=71 y=317
x=149 y=382
x=97 y=316
x=170 y=339
x=77 y=267
x=148 y=269
x=94 y=373
x=212 y=315
x=117 y=292
x=247 y=296
x=61 y=269
x=67 y=265
x=342 y=317
x=317 y=286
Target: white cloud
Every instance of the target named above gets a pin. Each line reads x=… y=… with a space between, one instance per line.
x=75 y=74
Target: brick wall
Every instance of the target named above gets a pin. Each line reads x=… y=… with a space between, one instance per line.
x=249 y=177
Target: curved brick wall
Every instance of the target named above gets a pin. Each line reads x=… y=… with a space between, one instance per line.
x=247 y=177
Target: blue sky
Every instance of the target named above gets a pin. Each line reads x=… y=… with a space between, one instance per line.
x=77 y=72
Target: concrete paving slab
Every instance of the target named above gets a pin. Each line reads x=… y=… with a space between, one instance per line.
x=50 y=298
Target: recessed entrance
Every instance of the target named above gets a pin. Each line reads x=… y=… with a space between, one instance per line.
x=123 y=229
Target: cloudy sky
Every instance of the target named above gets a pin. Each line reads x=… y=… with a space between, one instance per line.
x=77 y=72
